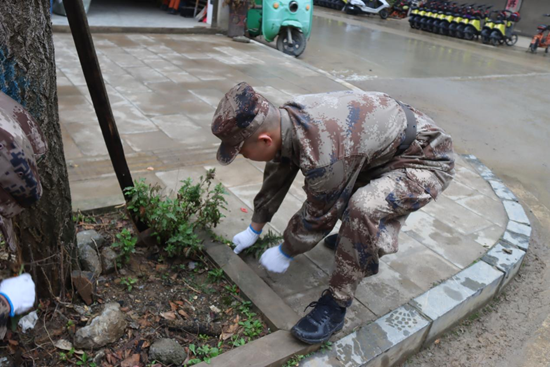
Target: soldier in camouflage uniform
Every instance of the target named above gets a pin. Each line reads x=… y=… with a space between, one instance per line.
x=367 y=159
x=21 y=146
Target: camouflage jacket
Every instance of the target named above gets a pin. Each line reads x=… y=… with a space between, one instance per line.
x=4 y=316
x=340 y=141
x=21 y=146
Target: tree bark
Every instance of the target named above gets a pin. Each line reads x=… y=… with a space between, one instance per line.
x=28 y=75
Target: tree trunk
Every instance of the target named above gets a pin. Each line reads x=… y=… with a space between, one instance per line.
x=28 y=75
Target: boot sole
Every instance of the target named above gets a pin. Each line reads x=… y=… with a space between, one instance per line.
x=317 y=341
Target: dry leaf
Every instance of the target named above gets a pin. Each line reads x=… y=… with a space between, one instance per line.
x=150 y=168
x=146 y=344
x=229 y=330
x=183 y=313
x=173 y=306
x=63 y=344
x=437 y=341
x=170 y=315
x=508 y=251
x=180 y=303
x=131 y=361
x=13 y=342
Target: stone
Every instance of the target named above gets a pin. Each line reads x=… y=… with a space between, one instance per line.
x=90 y=238
x=484 y=172
x=507 y=259
x=516 y=239
x=84 y=283
x=28 y=321
x=89 y=259
x=167 y=351
x=452 y=300
x=104 y=329
x=519 y=228
x=502 y=191
x=98 y=358
x=108 y=260
x=515 y=212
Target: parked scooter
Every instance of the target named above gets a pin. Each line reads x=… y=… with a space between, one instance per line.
x=400 y=9
x=503 y=31
x=370 y=7
x=542 y=38
x=473 y=28
x=488 y=26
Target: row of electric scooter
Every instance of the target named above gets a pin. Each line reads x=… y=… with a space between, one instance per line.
x=466 y=21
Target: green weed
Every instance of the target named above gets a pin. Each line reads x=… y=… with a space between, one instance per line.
x=126 y=245
x=128 y=282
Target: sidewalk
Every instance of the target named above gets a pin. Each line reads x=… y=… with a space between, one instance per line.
x=164 y=90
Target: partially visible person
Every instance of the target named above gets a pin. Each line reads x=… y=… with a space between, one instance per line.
x=22 y=145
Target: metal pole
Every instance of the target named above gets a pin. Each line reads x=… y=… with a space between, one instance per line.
x=94 y=79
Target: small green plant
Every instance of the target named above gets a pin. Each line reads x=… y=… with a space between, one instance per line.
x=70 y=323
x=270 y=239
x=174 y=220
x=237 y=341
x=252 y=327
x=85 y=361
x=78 y=217
x=215 y=275
x=294 y=361
x=204 y=353
x=232 y=289
x=128 y=282
x=326 y=346
x=244 y=308
x=203 y=337
x=126 y=245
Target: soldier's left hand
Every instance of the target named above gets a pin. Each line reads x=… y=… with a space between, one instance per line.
x=275 y=260
x=20 y=293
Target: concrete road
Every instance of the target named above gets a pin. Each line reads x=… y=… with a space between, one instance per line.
x=495 y=103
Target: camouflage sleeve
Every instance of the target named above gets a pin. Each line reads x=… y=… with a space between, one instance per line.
x=327 y=192
x=277 y=180
x=4 y=316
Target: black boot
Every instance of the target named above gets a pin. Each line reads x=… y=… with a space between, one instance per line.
x=318 y=326
x=331 y=241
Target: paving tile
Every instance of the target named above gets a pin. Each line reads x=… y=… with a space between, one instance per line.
x=507 y=259
x=386 y=290
x=69 y=146
x=416 y=261
x=457 y=191
x=516 y=239
x=181 y=129
x=156 y=140
x=285 y=285
x=443 y=239
x=449 y=302
x=146 y=74
x=123 y=59
x=63 y=81
x=386 y=342
x=88 y=138
x=515 y=212
x=127 y=84
x=487 y=237
x=115 y=98
x=240 y=172
x=130 y=120
x=159 y=103
x=473 y=180
x=182 y=77
x=489 y=209
x=172 y=180
x=455 y=215
x=166 y=87
x=76 y=108
x=210 y=96
x=67 y=90
x=502 y=191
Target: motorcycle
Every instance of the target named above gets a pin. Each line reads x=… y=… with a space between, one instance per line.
x=503 y=31
x=540 y=39
x=371 y=7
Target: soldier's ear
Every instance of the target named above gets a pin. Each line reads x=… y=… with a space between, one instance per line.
x=266 y=139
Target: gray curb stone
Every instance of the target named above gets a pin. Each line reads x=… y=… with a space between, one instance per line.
x=445 y=305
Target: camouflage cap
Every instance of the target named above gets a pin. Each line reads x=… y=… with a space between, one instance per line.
x=21 y=145
x=240 y=112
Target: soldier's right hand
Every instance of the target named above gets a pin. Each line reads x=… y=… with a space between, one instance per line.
x=19 y=292
x=245 y=239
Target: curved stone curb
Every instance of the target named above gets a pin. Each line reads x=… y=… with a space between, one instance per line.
x=394 y=337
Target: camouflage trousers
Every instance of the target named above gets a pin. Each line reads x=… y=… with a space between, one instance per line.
x=371 y=225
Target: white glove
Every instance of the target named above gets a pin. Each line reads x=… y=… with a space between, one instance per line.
x=275 y=260
x=19 y=292
x=245 y=239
